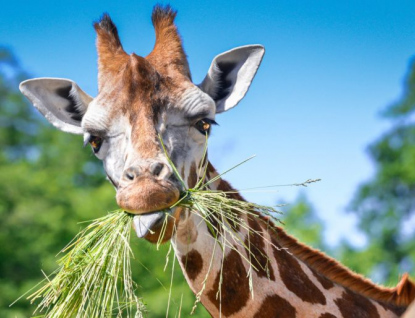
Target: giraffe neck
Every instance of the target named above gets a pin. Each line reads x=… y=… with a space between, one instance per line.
x=285 y=278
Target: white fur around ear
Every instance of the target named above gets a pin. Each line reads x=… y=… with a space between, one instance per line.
x=231 y=74
x=61 y=101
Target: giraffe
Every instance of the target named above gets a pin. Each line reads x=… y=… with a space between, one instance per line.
x=142 y=101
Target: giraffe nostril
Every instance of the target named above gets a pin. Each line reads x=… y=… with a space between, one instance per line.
x=156 y=168
x=131 y=173
x=129 y=176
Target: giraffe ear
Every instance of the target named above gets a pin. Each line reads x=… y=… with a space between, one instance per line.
x=231 y=74
x=61 y=101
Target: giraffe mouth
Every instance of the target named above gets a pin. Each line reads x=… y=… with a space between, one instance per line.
x=144 y=223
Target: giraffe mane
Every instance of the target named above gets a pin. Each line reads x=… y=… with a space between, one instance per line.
x=401 y=295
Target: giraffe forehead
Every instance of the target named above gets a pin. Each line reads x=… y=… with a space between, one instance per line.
x=140 y=93
x=137 y=92
x=178 y=105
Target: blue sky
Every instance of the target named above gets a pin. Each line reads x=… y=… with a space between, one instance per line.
x=330 y=67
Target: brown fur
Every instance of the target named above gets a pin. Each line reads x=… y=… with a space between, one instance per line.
x=168 y=54
x=354 y=305
x=327 y=315
x=153 y=196
x=234 y=289
x=295 y=279
x=192 y=179
x=326 y=283
x=111 y=56
x=193 y=264
x=256 y=250
x=275 y=306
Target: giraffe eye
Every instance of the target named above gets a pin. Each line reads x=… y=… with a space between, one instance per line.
x=96 y=143
x=204 y=125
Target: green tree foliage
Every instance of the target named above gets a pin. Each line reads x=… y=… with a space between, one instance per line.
x=385 y=204
x=48 y=184
x=301 y=221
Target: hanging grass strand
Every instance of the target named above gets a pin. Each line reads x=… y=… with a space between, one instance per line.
x=94 y=276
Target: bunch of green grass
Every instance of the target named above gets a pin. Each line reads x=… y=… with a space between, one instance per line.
x=94 y=276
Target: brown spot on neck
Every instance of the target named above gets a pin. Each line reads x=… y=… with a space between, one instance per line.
x=327 y=315
x=354 y=305
x=326 y=283
x=275 y=306
x=295 y=279
x=256 y=250
x=234 y=290
x=192 y=263
x=211 y=170
x=192 y=178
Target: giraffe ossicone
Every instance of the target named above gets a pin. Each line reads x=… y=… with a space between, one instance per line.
x=142 y=98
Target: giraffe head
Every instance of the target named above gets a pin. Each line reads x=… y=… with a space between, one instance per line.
x=141 y=101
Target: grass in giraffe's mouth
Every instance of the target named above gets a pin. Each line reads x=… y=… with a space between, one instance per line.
x=93 y=278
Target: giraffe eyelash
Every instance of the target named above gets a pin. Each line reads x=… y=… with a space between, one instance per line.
x=204 y=125
x=95 y=142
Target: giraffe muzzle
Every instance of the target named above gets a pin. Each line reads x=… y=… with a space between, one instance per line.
x=147 y=186
x=146 y=195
